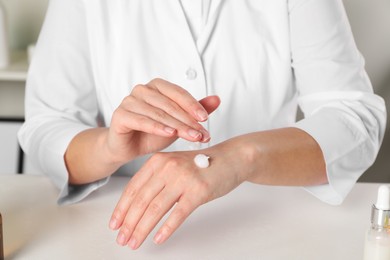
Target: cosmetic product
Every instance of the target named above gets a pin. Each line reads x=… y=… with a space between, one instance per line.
x=201 y=160
x=377 y=243
x=4 y=49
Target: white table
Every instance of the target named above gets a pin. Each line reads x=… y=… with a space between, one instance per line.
x=252 y=222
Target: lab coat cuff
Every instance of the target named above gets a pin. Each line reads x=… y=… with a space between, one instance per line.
x=337 y=144
x=71 y=194
x=53 y=162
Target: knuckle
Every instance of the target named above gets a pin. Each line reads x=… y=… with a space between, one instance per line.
x=142 y=122
x=195 y=105
x=156 y=81
x=138 y=88
x=139 y=230
x=168 y=228
x=180 y=214
x=126 y=227
x=155 y=209
x=126 y=101
x=140 y=202
x=172 y=108
x=160 y=115
x=173 y=163
x=130 y=192
x=141 y=91
x=118 y=213
x=157 y=127
x=182 y=91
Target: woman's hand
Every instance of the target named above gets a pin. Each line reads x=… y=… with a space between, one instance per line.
x=149 y=119
x=155 y=115
x=171 y=180
x=286 y=156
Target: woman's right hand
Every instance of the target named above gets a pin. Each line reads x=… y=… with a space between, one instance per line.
x=153 y=116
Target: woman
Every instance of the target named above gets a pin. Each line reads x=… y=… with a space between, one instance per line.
x=126 y=87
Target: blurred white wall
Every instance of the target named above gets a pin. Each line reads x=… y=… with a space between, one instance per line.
x=370 y=22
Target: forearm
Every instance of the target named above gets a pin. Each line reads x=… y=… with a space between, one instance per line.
x=87 y=157
x=287 y=156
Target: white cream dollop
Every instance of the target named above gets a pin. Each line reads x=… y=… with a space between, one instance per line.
x=202 y=161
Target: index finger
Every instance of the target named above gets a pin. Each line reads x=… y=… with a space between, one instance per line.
x=182 y=97
x=129 y=193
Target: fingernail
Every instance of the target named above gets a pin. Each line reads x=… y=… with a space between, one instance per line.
x=169 y=130
x=121 y=239
x=132 y=243
x=205 y=136
x=113 y=224
x=202 y=115
x=193 y=133
x=158 y=238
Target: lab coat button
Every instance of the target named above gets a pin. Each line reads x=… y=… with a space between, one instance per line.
x=191 y=74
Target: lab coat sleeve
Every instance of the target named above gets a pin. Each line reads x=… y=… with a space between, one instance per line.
x=60 y=96
x=341 y=111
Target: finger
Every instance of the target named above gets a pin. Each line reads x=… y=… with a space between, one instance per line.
x=137 y=209
x=210 y=103
x=156 y=98
x=189 y=129
x=129 y=121
x=179 y=214
x=181 y=97
x=161 y=204
x=128 y=195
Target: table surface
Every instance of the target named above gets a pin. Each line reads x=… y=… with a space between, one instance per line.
x=251 y=222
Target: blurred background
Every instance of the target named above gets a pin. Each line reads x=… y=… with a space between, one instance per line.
x=370 y=22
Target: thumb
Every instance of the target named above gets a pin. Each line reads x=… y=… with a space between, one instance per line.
x=210 y=103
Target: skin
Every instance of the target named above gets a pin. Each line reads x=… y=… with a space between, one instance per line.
x=150 y=119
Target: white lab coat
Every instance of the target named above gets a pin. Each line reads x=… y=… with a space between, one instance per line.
x=263 y=58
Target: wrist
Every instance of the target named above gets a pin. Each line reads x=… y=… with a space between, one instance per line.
x=242 y=155
x=111 y=157
x=249 y=153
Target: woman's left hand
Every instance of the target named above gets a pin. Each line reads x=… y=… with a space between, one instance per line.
x=171 y=180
